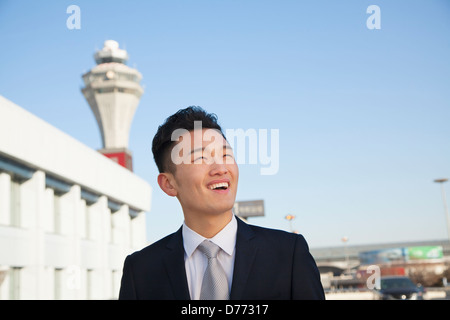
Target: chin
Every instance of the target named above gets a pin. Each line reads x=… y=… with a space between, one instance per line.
x=222 y=209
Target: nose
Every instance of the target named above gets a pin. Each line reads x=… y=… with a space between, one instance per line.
x=218 y=168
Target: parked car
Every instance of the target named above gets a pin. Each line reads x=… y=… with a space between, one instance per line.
x=398 y=288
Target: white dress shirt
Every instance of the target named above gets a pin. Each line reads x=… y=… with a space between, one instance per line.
x=196 y=262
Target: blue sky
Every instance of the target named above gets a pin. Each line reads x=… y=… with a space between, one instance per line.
x=363 y=115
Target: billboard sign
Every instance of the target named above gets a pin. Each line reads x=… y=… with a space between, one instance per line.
x=247 y=209
x=425 y=252
x=383 y=256
x=402 y=254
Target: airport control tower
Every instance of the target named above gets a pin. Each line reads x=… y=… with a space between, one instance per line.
x=113 y=92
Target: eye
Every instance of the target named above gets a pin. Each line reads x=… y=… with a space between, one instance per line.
x=200 y=159
x=229 y=158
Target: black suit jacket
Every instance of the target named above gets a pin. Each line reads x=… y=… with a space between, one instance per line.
x=269 y=264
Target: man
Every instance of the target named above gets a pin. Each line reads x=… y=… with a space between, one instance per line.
x=196 y=165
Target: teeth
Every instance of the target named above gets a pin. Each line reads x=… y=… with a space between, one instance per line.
x=218 y=185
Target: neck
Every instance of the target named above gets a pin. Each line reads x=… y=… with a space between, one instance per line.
x=208 y=226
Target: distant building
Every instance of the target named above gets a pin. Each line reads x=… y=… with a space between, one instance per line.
x=427 y=262
x=68 y=214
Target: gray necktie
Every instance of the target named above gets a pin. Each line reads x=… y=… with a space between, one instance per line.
x=215 y=283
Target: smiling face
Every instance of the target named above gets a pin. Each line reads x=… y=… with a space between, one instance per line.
x=205 y=181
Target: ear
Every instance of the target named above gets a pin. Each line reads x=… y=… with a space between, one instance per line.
x=167 y=184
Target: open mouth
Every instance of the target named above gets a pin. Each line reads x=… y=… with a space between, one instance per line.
x=219 y=186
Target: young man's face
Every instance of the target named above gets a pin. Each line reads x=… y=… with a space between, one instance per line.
x=206 y=180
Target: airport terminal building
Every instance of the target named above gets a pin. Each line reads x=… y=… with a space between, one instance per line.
x=68 y=214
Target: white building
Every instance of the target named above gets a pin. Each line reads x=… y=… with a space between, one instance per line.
x=68 y=214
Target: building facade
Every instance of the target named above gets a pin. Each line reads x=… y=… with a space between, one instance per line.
x=68 y=214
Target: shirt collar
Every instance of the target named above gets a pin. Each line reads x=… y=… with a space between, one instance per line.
x=225 y=239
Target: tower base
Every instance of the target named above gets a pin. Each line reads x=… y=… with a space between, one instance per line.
x=121 y=156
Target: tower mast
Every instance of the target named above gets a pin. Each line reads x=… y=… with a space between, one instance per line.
x=113 y=92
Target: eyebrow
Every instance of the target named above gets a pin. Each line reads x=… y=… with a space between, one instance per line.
x=203 y=148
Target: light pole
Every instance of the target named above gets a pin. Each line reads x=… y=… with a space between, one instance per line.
x=289 y=218
x=441 y=181
x=347 y=263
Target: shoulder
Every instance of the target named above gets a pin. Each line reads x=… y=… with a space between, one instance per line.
x=273 y=236
x=270 y=232
x=157 y=248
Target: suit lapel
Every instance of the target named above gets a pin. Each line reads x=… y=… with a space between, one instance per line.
x=244 y=258
x=174 y=263
x=245 y=255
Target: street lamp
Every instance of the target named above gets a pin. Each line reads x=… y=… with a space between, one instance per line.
x=347 y=263
x=441 y=181
x=289 y=218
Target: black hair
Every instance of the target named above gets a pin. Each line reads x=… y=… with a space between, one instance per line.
x=183 y=119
